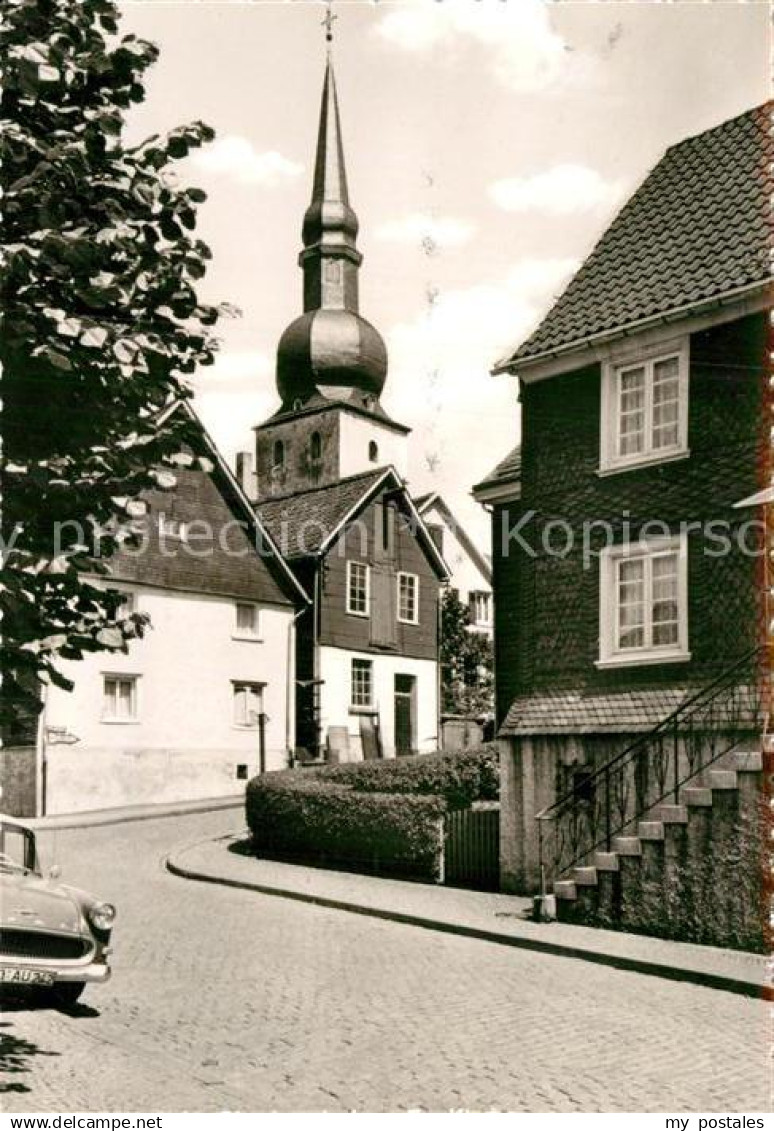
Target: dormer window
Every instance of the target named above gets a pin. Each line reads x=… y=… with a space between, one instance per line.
x=373 y=451
x=645 y=408
x=278 y=455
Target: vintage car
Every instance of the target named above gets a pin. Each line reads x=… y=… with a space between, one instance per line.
x=51 y=935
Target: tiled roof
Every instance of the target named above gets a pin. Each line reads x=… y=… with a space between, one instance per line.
x=697 y=228
x=300 y=523
x=507 y=470
x=569 y=712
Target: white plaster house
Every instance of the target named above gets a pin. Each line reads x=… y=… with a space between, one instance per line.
x=205 y=699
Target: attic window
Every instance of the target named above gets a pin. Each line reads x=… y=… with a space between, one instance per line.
x=278 y=455
x=373 y=451
x=645 y=408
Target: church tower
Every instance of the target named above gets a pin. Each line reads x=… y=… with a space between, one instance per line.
x=331 y=362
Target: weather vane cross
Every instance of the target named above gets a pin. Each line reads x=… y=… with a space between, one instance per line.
x=327 y=23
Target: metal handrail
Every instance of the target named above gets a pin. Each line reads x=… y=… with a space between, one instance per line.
x=670 y=725
x=661 y=727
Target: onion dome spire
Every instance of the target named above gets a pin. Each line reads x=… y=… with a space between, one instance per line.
x=330 y=349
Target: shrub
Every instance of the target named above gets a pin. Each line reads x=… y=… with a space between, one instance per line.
x=461 y=778
x=295 y=814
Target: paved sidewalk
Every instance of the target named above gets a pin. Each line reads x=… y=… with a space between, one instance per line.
x=493 y=917
x=95 y=817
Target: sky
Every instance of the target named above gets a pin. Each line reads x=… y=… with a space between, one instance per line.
x=488 y=145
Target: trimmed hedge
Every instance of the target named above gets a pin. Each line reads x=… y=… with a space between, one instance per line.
x=300 y=817
x=461 y=778
x=381 y=816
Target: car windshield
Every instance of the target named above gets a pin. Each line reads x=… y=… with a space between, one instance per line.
x=17 y=849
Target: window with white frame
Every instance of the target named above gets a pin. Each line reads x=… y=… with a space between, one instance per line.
x=408 y=598
x=362 y=683
x=645 y=409
x=358 y=588
x=248 y=704
x=247 y=621
x=480 y=607
x=119 y=699
x=644 y=602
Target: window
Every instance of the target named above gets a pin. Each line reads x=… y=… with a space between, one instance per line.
x=248 y=704
x=645 y=409
x=643 y=603
x=358 y=588
x=172 y=528
x=247 y=625
x=362 y=683
x=408 y=598
x=315 y=447
x=373 y=451
x=278 y=455
x=480 y=607
x=119 y=699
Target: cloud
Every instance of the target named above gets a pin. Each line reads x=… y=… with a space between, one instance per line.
x=439 y=379
x=526 y=53
x=561 y=191
x=237 y=157
x=428 y=232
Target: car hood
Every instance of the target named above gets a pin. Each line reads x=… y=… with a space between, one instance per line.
x=28 y=901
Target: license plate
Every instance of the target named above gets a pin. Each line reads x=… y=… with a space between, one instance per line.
x=20 y=977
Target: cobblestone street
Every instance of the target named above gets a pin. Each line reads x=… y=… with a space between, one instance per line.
x=226 y=999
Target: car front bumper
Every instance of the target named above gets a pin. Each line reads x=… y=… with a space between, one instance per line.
x=89 y=972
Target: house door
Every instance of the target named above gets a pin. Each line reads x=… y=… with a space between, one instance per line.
x=405 y=714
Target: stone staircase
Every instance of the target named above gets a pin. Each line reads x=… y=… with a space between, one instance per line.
x=678 y=859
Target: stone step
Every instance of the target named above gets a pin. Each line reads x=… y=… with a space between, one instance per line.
x=565 y=889
x=697 y=795
x=722 y=779
x=650 y=830
x=670 y=814
x=744 y=761
x=585 y=877
x=606 y=861
x=627 y=845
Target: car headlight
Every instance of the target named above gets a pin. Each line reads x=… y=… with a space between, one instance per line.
x=102 y=916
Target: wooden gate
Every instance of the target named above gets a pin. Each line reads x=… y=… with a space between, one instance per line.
x=472 y=849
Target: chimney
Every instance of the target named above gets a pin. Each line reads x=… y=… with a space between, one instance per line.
x=246 y=475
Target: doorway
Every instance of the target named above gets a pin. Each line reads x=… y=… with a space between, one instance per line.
x=405 y=714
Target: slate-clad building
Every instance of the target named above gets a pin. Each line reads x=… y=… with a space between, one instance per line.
x=329 y=484
x=636 y=580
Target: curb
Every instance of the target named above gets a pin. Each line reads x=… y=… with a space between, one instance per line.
x=100 y=817
x=636 y=965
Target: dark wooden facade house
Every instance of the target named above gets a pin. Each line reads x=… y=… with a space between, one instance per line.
x=367 y=648
x=628 y=579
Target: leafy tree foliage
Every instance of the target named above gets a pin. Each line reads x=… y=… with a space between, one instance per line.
x=102 y=324
x=467 y=679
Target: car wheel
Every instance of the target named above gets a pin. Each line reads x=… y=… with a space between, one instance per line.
x=67 y=993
